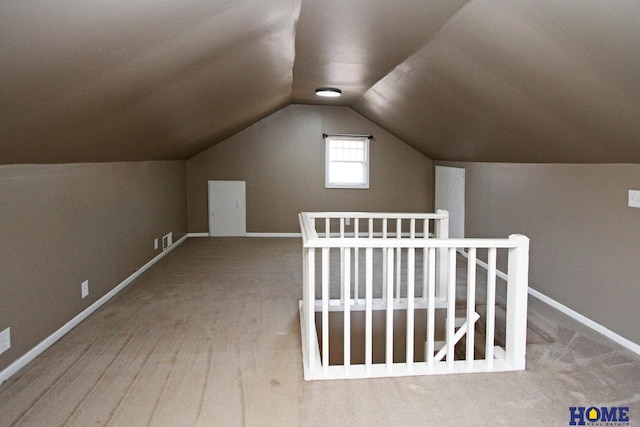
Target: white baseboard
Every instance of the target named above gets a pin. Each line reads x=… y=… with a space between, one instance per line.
x=568 y=311
x=20 y=363
x=351 y=234
x=300 y=234
x=198 y=235
x=253 y=235
x=586 y=321
x=274 y=234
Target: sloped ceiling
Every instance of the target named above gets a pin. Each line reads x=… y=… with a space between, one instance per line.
x=474 y=80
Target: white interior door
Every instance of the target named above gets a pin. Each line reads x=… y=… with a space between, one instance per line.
x=450 y=196
x=227 y=208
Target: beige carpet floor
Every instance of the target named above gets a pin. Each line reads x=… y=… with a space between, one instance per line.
x=210 y=336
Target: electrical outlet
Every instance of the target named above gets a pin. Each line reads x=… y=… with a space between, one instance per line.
x=634 y=198
x=85 y=288
x=155 y=244
x=347 y=221
x=5 y=340
x=167 y=240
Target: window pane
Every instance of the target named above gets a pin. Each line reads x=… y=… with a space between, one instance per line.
x=346 y=173
x=346 y=150
x=333 y=153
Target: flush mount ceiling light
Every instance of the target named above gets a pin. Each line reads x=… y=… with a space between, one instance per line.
x=329 y=92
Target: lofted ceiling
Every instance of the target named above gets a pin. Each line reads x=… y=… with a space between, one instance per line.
x=469 y=80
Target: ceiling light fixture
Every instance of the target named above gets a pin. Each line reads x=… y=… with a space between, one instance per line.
x=329 y=92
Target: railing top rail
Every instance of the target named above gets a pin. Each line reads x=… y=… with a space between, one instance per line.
x=311 y=239
x=309 y=231
x=377 y=215
x=349 y=242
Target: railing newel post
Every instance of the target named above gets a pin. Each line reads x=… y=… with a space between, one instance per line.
x=517 y=291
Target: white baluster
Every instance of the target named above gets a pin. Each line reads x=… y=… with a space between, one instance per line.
x=310 y=309
x=431 y=309
x=442 y=232
x=389 y=330
x=410 y=306
x=491 y=307
x=425 y=270
x=325 y=311
x=368 y=310
x=451 y=308
x=385 y=282
x=398 y=260
x=347 y=310
x=471 y=306
x=342 y=262
x=356 y=260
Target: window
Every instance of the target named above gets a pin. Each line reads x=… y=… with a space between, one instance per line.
x=347 y=161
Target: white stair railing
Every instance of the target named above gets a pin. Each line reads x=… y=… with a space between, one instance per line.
x=404 y=283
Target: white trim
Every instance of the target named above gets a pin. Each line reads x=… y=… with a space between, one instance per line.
x=274 y=234
x=328 y=183
x=26 y=358
x=253 y=235
x=570 y=312
x=198 y=235
x=586 y=321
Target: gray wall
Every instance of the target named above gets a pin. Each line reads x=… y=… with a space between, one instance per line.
x=62 y=224
x=585 y=241
x=282 y=160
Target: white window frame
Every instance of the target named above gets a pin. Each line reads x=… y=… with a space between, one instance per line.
x=328 y=182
